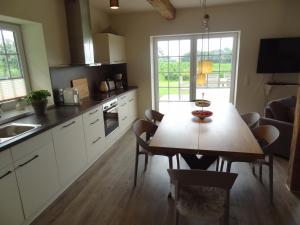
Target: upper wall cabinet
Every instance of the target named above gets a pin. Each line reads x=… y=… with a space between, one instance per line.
x=109 y=48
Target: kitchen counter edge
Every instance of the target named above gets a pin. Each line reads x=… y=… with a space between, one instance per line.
x=56 y=116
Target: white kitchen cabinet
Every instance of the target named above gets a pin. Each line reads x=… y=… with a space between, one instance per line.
x=94 y=133
x=132 y=106
x=37 y=173
x=69 y=146
x=127 y=109
x=10 y=204
x=109 y=48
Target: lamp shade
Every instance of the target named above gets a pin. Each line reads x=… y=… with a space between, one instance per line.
x=114 y=4
x=201 y=79
x=207 y=66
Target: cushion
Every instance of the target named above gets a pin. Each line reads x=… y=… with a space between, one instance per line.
x=280 y=111
x=204 y=202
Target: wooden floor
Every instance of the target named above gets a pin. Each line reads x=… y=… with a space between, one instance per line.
x=104 y=194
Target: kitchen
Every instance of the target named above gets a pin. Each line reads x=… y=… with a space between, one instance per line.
x=42 y=155
x=100 y=67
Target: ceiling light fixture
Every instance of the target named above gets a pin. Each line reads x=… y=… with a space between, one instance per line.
x=114 y=4
x=205 y=65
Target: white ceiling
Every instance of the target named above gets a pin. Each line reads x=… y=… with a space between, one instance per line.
x=143 y=5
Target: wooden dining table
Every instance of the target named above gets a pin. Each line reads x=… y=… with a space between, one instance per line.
x=223 y=134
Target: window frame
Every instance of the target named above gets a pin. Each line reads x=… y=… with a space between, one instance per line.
x=21 y=57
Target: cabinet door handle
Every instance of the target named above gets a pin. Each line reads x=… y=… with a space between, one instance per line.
x=131 y=100
x=69 y=124
x=92 y=123
x=30 y=160
x=5 y=175
x=124 y=118
x=96 y=140
x=91 y=113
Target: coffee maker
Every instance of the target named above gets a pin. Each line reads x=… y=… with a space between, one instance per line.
x=118 y=80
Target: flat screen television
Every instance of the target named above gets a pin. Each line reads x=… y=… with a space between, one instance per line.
x=279 y=55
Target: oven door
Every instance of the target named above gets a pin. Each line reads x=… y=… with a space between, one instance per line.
x=111 y=119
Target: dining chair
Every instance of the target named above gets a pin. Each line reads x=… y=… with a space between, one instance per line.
x=252 y=121
x=153 y=116
x=266 y=136
x=202 y=194
x=156 y=117
x=143 y=131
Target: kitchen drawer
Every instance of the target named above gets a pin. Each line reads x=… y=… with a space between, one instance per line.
x=122 y=99
x=94 y=130
x=5 y=158
x=93 y=115
x=95 y=148
x=26 y=147
x=130 y=95
x=124 y=121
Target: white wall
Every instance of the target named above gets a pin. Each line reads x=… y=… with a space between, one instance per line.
x=254 y=20
x=51 y=14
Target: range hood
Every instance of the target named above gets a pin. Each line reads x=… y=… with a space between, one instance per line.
x=79 y=31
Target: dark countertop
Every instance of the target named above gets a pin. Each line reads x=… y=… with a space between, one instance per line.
x=58 y=115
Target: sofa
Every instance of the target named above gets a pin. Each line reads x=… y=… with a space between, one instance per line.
x=280 y=113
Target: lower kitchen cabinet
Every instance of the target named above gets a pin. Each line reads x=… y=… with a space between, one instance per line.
x=37 y=177
x=69 y=145
x=127 y=109
x=10 y=204
x=94 y=133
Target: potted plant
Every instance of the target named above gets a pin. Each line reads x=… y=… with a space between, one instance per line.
x=38 y=100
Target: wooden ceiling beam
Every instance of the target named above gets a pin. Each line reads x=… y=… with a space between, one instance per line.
x=164 y=7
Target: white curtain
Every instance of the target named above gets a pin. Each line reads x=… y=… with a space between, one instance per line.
x=10 y=89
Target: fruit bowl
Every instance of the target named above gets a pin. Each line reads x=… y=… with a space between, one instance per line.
x=202 y=103
x=202 y=114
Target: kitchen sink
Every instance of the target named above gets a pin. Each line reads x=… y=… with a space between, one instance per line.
x=11 y=130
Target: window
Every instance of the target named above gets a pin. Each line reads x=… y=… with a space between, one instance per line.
x=175 y=67
x=12 y=63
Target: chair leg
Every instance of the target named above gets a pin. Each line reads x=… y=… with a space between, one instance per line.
x=260 y=171
x=253 y=168
x=136 y=164
x=217 y=164
x=178 y=163
x=170 y=162
x=228 y=167
x=271 y=178
x=222 y=165
x=146 y=161
x=176 y=217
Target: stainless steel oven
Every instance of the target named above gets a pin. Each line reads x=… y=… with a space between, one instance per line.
x=110 y=115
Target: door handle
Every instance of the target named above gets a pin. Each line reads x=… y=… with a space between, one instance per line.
x=92 y=123
x=30 y=160
x=5 y=175
x=69 y=124
x=91 y=113
x=96 y=140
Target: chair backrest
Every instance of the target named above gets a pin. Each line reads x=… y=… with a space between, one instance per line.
x=251 y=119
x=267 y=134
x=141 y=127
x=153 y=116
x=203 y=178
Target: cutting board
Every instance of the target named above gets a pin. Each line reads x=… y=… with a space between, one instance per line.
x=82 y=86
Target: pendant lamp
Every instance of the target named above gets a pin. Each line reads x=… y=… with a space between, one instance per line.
x=114 y=4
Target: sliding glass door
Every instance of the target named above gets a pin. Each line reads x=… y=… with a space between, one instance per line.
x=175 y=67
